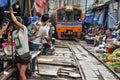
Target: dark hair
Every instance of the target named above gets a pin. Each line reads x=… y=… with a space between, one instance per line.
x=38 y=14
x=45 y=18
x=6 y=20
x=19 y=19
x=2 y=16
x=110 y=29
x=11 y=23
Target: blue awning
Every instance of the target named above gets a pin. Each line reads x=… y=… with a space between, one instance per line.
x=96 y=17
x=6 y=3
x=101 y=17
x=112 y=19
x=89 y=17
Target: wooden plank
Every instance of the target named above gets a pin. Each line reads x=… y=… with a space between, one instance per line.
x=88 y=78
x=49 y=70
x=101 y=67
x=79 y=57
x=57 y=63
x=107 y=75
x=84 y=65
x=90 y=74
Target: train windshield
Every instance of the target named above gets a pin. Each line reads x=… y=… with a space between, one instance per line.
x=69 y=16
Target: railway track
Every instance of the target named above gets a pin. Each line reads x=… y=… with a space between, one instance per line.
x=91 y=50
x=71 y=57
x=70 y=61
x=77 y=62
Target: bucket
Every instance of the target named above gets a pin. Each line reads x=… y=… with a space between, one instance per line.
x=109 y=50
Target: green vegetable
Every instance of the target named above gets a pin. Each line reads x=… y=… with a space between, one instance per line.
x=104 y=55
x=115 y=64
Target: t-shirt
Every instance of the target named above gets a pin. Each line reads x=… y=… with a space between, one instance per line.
x=41 y=32
x=21 y=41
x=47 y=28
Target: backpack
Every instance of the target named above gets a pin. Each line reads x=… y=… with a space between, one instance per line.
x=33 y=29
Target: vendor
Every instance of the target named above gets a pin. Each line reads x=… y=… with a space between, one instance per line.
x=108 y=37
x=118 y=35
x=3 y=31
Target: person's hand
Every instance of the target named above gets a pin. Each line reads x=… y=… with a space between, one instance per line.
x=48 y=24
x=11 y=10
x=1 y=32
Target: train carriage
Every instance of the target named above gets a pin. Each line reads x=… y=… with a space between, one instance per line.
x=68 y=22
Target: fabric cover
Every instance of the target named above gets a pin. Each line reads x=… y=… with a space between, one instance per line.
x=7 y=3
x=112 y=19
x=89 y=17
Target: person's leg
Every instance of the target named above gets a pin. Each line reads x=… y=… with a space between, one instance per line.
x=47 y=47
x=22 y=72
x=33 y=64
x=34 y=47
x=18 y=66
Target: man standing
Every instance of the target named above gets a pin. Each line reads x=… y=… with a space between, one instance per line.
x=34 y=40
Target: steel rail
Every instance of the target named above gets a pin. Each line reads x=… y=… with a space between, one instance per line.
x=111 y=70
x=78 y=65
x=10 y=70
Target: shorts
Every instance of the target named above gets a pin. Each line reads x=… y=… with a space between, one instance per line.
x=19 y=60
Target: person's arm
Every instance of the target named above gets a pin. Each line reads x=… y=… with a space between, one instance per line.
x=9 y=37
x=31 y=36
x=18 y=24
x=1 y=32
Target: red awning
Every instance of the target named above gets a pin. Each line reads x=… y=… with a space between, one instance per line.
x=40 y=4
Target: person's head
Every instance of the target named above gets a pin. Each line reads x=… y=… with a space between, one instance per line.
x=44 y=19
x=49 y=23
x=19 y=19
x=38 y=15
x=5 y=24
x=108 y=31
x=11 y=26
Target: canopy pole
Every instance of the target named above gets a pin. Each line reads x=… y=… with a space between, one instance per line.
x=30 y=10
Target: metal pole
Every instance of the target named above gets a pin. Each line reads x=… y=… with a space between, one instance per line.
x=86 y=7
x=12 y=41
x=118 y=14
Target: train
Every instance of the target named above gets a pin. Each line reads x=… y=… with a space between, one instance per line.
x=68 y=22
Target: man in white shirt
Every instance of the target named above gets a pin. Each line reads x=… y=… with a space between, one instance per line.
x=34 y=42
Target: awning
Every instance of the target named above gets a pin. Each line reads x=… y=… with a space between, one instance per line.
x=7 y=3
x=112 y=19
x=40 y=5
x=89 y=18
x=101 y=17
x=96 y=17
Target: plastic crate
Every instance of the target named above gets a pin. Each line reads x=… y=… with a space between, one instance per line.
x=90 y=41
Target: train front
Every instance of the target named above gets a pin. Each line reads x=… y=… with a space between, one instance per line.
x=69 y=22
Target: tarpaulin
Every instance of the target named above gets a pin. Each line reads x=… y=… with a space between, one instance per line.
x=89 y=17
x=96 y=17
x=112 y=19
x=101 y=17
x=40 y=5
x=7 y=3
